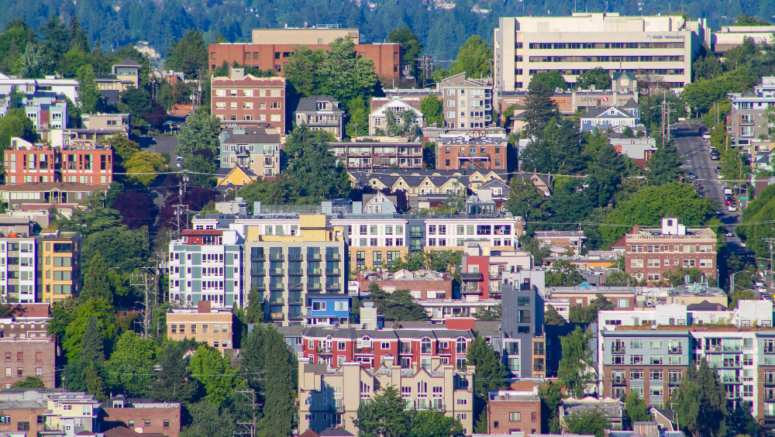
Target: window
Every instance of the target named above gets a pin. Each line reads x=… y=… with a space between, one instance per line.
x=636 y=374
x=636 y=359
x=23 y=426
x=515 y=417
x=655 y=375
x=385 y=346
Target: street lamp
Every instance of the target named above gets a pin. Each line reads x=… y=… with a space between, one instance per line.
x=732 y=281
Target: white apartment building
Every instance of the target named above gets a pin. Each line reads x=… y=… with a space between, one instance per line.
x=456 y=232
x=68 y=87
x=663 y=46
x=17 y=268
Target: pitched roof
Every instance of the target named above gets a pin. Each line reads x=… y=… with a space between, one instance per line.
x=631 y=103
x=128 y=63
x=309 y=433
x=256 y=137
x=705 y=306
x=607 y=112
x=308 y=104
x=332 y=432
x=244 y=170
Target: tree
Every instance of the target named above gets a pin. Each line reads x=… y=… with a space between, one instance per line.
x=215 y=373
x=120 y=247
x=563 y=274
x=588 y=314
x=92 y=347
x=55 y=37
x=431 y=108
x=188 y=54
x=35 y=61
x=539 y=107
x=637 y=410
x=552 y=79
x=700 y=402
x=474 y=58
x=95 y=384
x=744 y=20
x=576 y=362
x=434 y=424
x=596 y=77
x=411 y=48
x=143 y=166
x=398 y=305
x=526 y=200
x=535 y=248
x=552 y=317
x=551 y=395
x=741 y=420
x=490 y=373
x=132 y=363
x=359 y=116
x=589 y=422
x=16 y=124
x=255 y=313
x=29 y=382
x=486 y=314
x=385 y=415
x=200 y=132
x=174 y=382
x=301 y=71
x=123 y=146
x=89 y=95
x=137 y=209
x=664 y=165
x=75 y=333
x=95 y=281
x=207 y=420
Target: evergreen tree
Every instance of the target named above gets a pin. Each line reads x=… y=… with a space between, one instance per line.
x=385 y=415
x=474 y=58
x=174 y=382
x=88 y=92
x=188 y=54
x=92 y=347
x=539 y=107
x=55 y=37
x=636 y=408
x=700 y=402
x=742 y=422
x=574 y=369
x=398 y=305
x=490 y=372
x=589 y=422
x=552 y=317
x=77 y=38
x=255 y=312
x=664 y=165
x=411 y=47
x=95 y=280
x=29 y=382
x=551 y=395
x=95 y=384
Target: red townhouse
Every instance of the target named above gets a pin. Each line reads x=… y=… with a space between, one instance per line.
x=414 y=347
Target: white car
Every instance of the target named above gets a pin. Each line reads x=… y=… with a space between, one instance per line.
x=720 y=176
x=732 y=208
x=727 y=190
x=706 y=136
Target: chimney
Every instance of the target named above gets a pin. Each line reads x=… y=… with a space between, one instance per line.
x=635 y=229
x=203 y=306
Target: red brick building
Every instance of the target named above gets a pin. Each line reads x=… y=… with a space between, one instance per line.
x=21 y=415
x=511 y=411
x=486 y=153
x=386 y=57
x=412 y=348
x=81 y=161
x=650 y=253
x=142 y=416
x=422 y=285
x=242 y=100
x=26 y=349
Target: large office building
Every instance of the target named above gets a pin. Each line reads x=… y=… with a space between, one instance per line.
x=662 y=46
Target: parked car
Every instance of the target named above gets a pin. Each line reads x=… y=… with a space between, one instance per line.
x=714 y=157
x=732 y=208
x=706 y=136
x=729 y=200
x=691 y=175
x=727 y=191
x=760 y=284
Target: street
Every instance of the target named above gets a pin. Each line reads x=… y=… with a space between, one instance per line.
x=696 y=151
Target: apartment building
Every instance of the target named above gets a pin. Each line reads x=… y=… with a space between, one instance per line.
x=409 y=348
x=80 y=162
x=288 y=265
x=106 y=121
x=271 y=48
x=747 y=121
x=213 y=326
x=71 y=414
x=422 y=284
x=650 y=253
x=241 y=100
x=524 y=344
x=46 y=111
x=27 y=350
x=20 y=410
x=251 y=148
x=467 y=102
x=375 y=240
x=654 y=45
x=320 y=113
x=59 y=266
x=569 y=240
x=142 y=416
x=514 y=411
x=454 y=232
x=49 y=84
x=124 y=75
x=378 y=155
x=485 y=153
x=331 y=397
x=378 y=118
x=206 y=265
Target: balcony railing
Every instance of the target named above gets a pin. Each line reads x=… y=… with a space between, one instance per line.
x=259 y=257
x=674 y=380
x=363 y=350
x=259 y=272
x=312 y=286
x=332 y=287
x=276 y=316
x=618 y=349
x=675 y=350
x=276 y=286
x=333 y=257
x=619 y=380
x=295 y=301
x=325 y=350
x=296 y=272
x=333 y=272
x=295 y=257
x=313 y=257
x=314 y=272
x=276 y=272
x=277 y=301
x=276 y=257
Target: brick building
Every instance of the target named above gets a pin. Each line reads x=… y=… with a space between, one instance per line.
x=485 y=153
x=650 y=253
x=80 y=161
x=271 y=49
x=21 y=413
x=422 y=284
x=512 y=411
x=213 y=326
x=241 y=100
x=142 y=416
x=27 y=350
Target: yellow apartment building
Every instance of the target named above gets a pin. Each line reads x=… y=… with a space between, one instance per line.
x=212 y=326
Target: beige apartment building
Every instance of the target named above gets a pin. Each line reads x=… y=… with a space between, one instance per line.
x=213 y=326
x=330 y=397
x=467 y=102
x=662 y=46
x=312 y=35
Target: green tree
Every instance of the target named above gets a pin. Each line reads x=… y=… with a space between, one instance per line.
x=575 y=366
x=707 y=65
x=539 y=106
x=255 y=313
x=398 y=305
x=359 y=116
x=123 y=147
x=563 y=274
x=744 y=20
x=29 y=382
x=411 y=48
x=552 y=317
x=142 y=166
x=132 y=363
x=75 y=333
x=700 y=402
x=189 y=55
x=385 y=415
x=431 y=108
x=95 y=281
x=207 y=420
x=552 y=79
x=527 y=201
x=742 y=422
x=535 y=248
x=95 y=383
x=664 y=165
x=596 y=77
x=200 y=133
x=589 y=422
x=92 y=346
x=16 y=124
x=486 y=314
x=35 y=61
x=215 y=373
x=588 y=314
x=89 y=94
x=637 y=410
x=474 y=58
x=301 y=71
x=434 y=424
x=551 y=395
x=174 y=382
x=490 y=373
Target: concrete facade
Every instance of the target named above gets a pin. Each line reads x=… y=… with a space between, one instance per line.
x=466 y=102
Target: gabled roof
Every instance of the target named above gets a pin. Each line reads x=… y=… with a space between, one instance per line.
x=236 y=169
x=631 y=103
x=606 y=112
x=399 y=101
x=335 y=432
x=308 y=104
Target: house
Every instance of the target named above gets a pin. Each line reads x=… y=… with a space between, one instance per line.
x=328 y=310
x=124 y=75
x=638 y=149
x=320 y=113
x=379 y=204
x=27 y=350
x=378 y=118
x=495 y=190
x=563 y=240
x=234 y=178
x=251 y=148
x=49 y=84
x=606 y=117
x=545 y=183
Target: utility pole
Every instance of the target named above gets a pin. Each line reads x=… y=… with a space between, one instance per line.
x=146 y=281
x=180 y=208
x=249 y=429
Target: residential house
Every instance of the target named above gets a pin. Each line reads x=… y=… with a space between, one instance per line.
x=638 y=149
x=568 y=240
x=234 y=178
x=378 y=118
x=422 y=284
x=328 y=310
x=50 y=84
x=611 y=116
x=124 y=75
x=251 y=148
x=320 y=113
x=43 y=195
x=115 y=122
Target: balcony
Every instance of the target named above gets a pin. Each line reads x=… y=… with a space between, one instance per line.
x=325 y=350
x=314 y=272
x=333 y=257
x=313 y=286
x=618 y=348
x=619 y=380
x=258 y=272
x=333 y=287
x=259 y=286
x=295 y=301
x=730 y=379
x=672 y=380
x=276 y=286
x=259 y=257
x=333 y=272
x=277 y=272
x=296 y=272
x=314 y=257
x=538 y=367
x=295 y=257
x=277 y=257
x=364 y=350
x=276 y=316
x=675 y=350
x=277 y=301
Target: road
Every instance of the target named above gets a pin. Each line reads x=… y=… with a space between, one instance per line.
x=697 y=153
